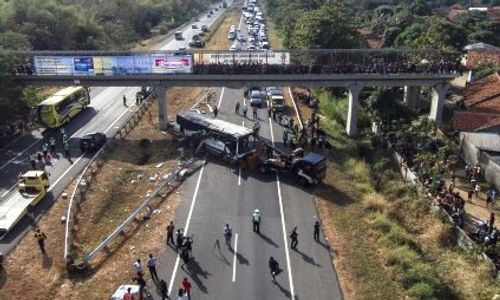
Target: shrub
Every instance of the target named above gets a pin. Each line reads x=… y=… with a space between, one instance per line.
x=422 y=290
x=399 y=236
x=381 y=223
x=374 y=202
x=419 y=272
x=403 y=257
x=360 y=170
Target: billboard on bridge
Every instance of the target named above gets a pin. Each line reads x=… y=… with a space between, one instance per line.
x=242 y=57
x=114 y=65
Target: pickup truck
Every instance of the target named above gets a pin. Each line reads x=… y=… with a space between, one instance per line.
x=31 y=189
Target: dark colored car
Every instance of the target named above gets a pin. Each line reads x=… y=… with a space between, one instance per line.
x=197 y=44
x=92 y=141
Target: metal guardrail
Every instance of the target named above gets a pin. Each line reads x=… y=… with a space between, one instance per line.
x=71 y=211
x=174 y=175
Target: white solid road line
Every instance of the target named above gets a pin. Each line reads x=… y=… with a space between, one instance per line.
x=221 y=96
x=186 y=227
x=235 y=254
x=283 y=225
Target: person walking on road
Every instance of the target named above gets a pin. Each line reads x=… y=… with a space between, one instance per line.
x=152 y=267
x=125 y=101
x=294 y=237
x=228 y=234
x=254 y=109
x=45 y=150
x=245 y=109
x=256 y=221
x=285 y=137
x=52 y=142
x=66 y=150
x=275 y=269
x=237 y=108
x=40 y=238
x=179 y=236
x=316 y=231
x=170 y=232
x=163 y=290
x=187 y=287
x=216 y=111
x=33 y=161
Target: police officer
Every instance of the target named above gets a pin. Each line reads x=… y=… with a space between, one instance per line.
x=256 y=221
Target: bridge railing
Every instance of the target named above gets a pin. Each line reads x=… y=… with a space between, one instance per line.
x=90 y=63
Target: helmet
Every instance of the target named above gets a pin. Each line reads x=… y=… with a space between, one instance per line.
x=256 y=210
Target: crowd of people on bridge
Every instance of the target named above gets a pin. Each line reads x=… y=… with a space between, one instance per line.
x=371 y=67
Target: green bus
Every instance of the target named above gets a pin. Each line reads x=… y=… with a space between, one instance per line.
x=59 y=108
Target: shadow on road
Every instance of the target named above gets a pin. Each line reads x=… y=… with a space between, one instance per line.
x=267 y=239
x=46 y=261
x=307 y=258
x=241 y=258
x=195 y=271
x=284 y=291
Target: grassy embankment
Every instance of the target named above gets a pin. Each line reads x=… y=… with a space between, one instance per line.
x=386 y=241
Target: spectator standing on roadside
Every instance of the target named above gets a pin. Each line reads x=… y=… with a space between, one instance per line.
x=477 y=188
x=66 y=150
x=237 y=108
x=216 y=111
x=469 y=194
x=138 y=267
x=152 y=267
x=125 y=101
x=254 y=109
x=40 y=238
x=245 y=108
x=491 y=222
x=285 y=137
x=187 y=287
x=170 y=232
x=141 y=282
x=163 y=290
x=128 y=295
x=316 y=231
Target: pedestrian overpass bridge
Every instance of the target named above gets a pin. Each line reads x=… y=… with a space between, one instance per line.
x=351 y=69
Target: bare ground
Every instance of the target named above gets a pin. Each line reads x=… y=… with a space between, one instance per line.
x=220 y=41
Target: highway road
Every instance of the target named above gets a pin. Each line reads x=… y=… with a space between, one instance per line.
x=220 y=194
x=106 y=113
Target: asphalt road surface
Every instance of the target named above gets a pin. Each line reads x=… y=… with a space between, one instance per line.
x=106 y=113
x=220 y=194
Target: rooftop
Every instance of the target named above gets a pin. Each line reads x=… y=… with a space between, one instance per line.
x=483 y=90
x=471 y=121
x=482 y=141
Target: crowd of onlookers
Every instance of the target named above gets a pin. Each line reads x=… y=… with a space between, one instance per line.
x=441 y=67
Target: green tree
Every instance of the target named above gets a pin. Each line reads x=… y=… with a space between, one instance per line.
x=331 y=26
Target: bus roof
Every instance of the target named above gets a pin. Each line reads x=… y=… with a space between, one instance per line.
x=216 y=125
x=34 y=173
x=58 y=96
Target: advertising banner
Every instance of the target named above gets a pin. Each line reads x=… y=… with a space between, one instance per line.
x=172 y=64
x=83 y=65
x=53 y=65
x=242 y=57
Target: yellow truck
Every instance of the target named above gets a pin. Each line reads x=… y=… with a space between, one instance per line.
x=31 y=189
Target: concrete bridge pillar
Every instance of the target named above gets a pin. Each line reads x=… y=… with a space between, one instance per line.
x=438 y=95
x=352 y=113
x=161 y=93
x=412 y=96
